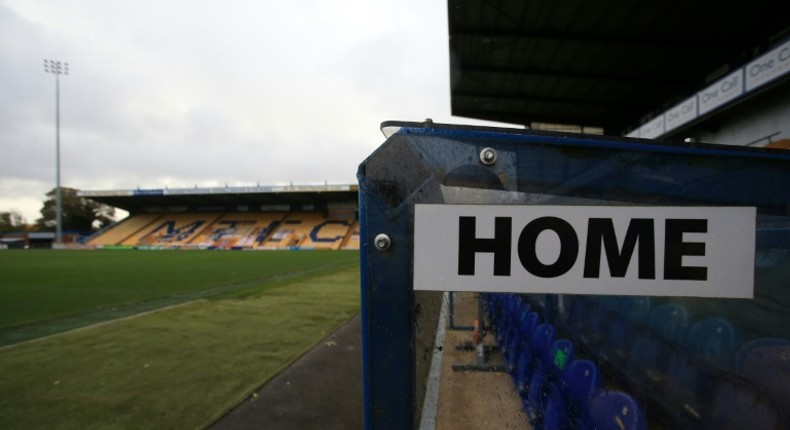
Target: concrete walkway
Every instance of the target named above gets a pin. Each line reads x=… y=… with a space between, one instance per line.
x=321 y=390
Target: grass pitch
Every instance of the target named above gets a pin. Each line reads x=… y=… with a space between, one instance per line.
x=45 y=292
x=181 y=366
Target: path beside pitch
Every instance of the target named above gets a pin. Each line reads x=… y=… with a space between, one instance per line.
x=321 y=390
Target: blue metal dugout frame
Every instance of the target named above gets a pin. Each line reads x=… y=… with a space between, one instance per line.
x=417 y=159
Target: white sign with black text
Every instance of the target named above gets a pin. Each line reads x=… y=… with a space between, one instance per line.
x=680 y=114
x=769 y=67
x=617 y=250
x=720 y=93
x=652 y=129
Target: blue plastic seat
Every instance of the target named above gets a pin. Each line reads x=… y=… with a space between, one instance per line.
x=551 y=309
x=643 y=364
x=559 y=357
x=488 y=304
x=610 y=303
x=738 y=404
x=520 y=330
x=580 y=382
x=766 y=362
x=525 y=330
x=577 y=317
x=534 y=402
x=670 y=321
x=714 y=340
x=517 y=336
x=686 y=389
x=523 y=372
x=510 y=351
x=594 y=326
x=599 y=328
x=555 y=412
x=541 y=341
x=635 y=308
x=537 y=301
x=529 y=323
x=505 y=318
x=547 y=367
x=565 y=306
x=616 y=410
x=493 y=307
x=614 y=347
x=516 y=310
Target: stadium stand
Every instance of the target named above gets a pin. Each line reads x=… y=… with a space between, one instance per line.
x=239 y=231
x=291 y=231
x=327 y=234
x=124 y=229
x=248 y=217
x=173 y=230
x=309 y=231
x=236 y=230
x=351 y=241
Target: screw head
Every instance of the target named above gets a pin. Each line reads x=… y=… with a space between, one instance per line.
x=488 y=156
x=382 y=242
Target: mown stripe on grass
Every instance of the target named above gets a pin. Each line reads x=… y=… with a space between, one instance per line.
x=13 y=334
x=38 y=285
x=179 y=368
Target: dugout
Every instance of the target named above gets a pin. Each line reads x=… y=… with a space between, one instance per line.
x=25 y=240
x=665 y=74
x=684 y=321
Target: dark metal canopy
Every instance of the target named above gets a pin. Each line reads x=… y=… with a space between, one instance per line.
x=227 y=199
x=602 y=63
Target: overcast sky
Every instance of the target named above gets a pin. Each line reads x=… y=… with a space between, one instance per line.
x=181 y=93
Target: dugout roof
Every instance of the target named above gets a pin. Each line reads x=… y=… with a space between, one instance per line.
x=602 y=63
x=224 y=198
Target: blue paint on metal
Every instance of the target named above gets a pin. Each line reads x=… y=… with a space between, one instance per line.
x=412 y=165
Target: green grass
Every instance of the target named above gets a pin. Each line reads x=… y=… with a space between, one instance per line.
x=38 y=285
x=179 y=367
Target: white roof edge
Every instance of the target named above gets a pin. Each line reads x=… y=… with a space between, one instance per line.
x=221 y=190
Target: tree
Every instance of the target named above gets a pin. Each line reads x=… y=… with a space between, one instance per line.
x=11 y=221
x=78 y=213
